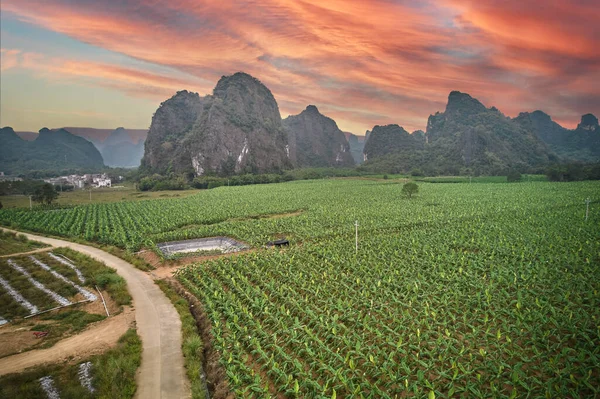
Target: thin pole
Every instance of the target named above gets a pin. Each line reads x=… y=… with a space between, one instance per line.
x=30 y=206
x=356 y=226
x=90 y=193
x=103 y=301
x=587 y=208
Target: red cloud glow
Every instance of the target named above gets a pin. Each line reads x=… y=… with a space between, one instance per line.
x=362 y=62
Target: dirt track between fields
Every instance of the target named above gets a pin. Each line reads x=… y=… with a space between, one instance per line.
x=35 y=251
x=162 y=373
x=96 y=339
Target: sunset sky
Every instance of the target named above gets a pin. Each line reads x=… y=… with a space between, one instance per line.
x=106 y=64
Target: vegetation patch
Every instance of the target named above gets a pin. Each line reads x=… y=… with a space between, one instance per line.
x=63 y=273
x=472 y=290
x=14 y=243
x=99 y=275
x=113 y=375
x=482 y=179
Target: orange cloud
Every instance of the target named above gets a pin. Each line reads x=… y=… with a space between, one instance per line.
x=9 y=58
x=363 y=62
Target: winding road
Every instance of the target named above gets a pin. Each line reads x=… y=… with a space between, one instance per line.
x=161 y=373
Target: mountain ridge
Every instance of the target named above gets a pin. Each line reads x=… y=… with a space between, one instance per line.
x=52 y=150
x=315 y=140
x=236 y=129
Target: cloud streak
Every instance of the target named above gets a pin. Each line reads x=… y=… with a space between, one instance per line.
x=362 y=62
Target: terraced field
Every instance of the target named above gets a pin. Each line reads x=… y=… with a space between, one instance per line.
x=48 y=296
x=35 y=283
x=467 y=290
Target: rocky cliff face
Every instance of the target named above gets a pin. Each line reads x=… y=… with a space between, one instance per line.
x=357 y=145
x=581 y=144
x=588 y=122
x=173 y=119
x=466 y=138
x=389 y=139
x=237 y=129
x=316 y=141
x=469 y=135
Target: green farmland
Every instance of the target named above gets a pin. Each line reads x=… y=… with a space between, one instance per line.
x=465 y=290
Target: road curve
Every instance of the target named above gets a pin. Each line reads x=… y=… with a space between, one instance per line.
x=161 y=374
x=93 y=340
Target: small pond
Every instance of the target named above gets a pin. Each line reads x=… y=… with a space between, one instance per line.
x=223 y=244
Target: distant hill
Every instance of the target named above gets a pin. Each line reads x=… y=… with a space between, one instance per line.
x=29 y=136
x=119 y=151
x=51 y=150
x=316 y=141
x=466 y=138
x=581 y=144
x=119 y=148
x=237 y=129
x=98 y=136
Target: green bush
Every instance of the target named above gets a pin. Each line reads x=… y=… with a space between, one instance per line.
x=410 y=189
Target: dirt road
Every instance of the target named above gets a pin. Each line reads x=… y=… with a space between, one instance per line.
x=35 y=251
x=161 y=374
x=90 y=342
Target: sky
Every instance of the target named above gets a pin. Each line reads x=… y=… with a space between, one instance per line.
x=105 y=64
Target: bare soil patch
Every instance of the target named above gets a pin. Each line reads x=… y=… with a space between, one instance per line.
x=97 y=307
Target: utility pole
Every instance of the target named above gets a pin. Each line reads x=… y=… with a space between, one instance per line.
x=90 y=193
x=356 y=226
x=30 y=206
x=587 y=208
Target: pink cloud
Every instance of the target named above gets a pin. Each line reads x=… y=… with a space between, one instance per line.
x=10 y=58
x=363 y=62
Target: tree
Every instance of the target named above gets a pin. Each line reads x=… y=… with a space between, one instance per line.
x=45 y=194
x=409 y=189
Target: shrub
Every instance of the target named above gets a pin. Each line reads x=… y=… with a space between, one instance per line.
x=409 y=189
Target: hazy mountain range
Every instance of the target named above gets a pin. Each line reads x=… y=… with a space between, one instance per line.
x=119 y=148
x=51 y=150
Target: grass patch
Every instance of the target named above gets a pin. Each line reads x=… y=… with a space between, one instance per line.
x=65 y=322
x=478 y=179
x=192 y=345
x=99 y=274
x=113 y=375
x=126 y=256
x=99 y=195
x=13 y=243
x=115 y=370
